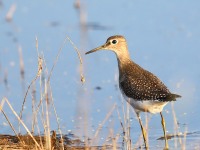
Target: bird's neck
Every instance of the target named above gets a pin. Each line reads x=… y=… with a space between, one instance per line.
x=123 y=62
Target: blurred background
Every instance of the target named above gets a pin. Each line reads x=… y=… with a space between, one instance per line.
x=163 y=37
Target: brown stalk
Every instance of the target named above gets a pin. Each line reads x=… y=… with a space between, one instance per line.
x=27 y=130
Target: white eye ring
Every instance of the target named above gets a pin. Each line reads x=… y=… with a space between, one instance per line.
x=114 y=41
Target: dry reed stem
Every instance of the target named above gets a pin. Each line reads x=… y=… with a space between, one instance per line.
x=33 y=110
x=10 y=124
x=117 y=137
x=38 y=74
x=114 y=140
x=40 y=68
x=184 y=139
x=47 y=126
x=51 y=71
x=55 y=61
x=124 y=117
x=103 y=122
x=42 y=96
x=27 y=130
x=1 y=109
x=110 y=135
x=123 y=129
x=147 y=127
x=57 y=120
x=126 y=124
x=80 y=59
x=40 y=104
x=2 y=104
x=79 y=56
x=120 y=120
x=127 y=133
x=53 y=105
x=176 y=130
x=38 y=130
x=35 y=121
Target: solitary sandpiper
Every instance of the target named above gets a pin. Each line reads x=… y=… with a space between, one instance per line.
x=141 y=89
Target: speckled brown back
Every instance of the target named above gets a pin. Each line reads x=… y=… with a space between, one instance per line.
x=140 y=84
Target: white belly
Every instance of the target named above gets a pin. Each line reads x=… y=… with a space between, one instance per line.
x=146 y=106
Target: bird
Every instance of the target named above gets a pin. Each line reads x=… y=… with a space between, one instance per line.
x=144 y=91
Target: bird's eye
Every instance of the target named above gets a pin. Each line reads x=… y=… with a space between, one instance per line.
x=114 y=41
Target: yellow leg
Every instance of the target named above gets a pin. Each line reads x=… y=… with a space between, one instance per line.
x=143 y=132
x=164 y=130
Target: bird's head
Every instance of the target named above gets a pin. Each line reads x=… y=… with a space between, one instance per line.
x=116 y=43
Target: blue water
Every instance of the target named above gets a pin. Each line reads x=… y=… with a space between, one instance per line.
x=163 y=37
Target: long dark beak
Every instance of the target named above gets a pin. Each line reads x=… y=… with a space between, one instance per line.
x=96 y=49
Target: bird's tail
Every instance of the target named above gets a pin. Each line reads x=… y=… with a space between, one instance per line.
x=172 y=97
